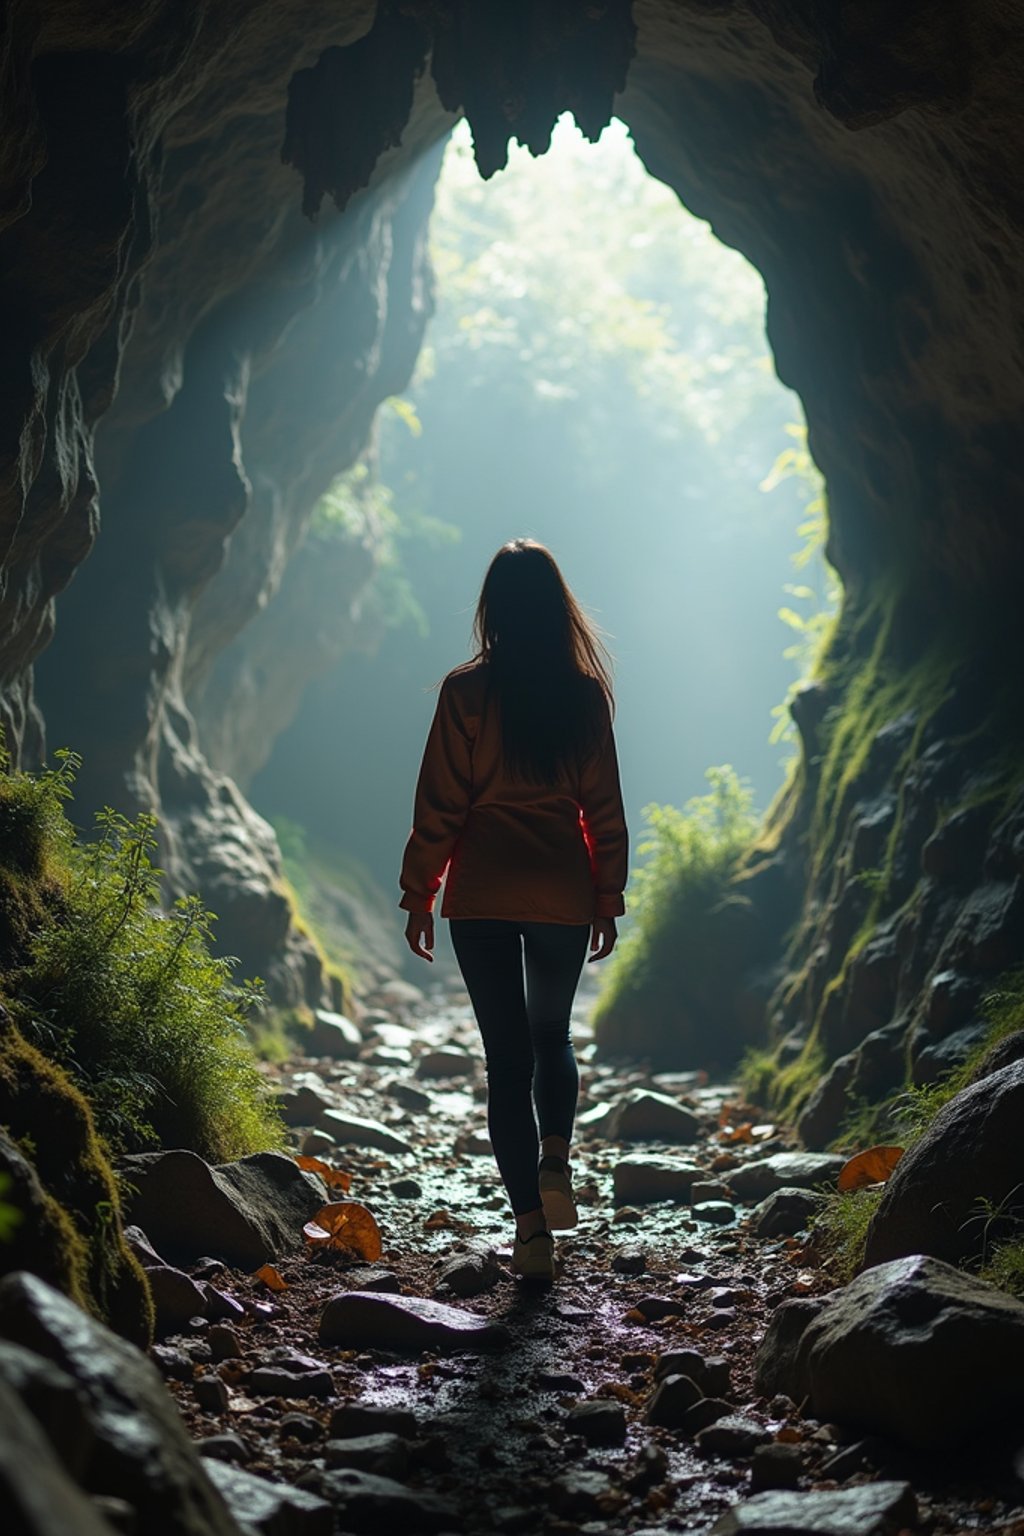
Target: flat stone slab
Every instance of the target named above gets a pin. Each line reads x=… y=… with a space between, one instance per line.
x=876 y=1509
x=260 y=1505
x=797 y=1170
x=362 y=1133
x=639 y=1180
x=370 y=1320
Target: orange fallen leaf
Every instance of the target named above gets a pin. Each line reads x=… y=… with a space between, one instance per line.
x=334 y=1178
x=871 y=1167
x=345 y=1224
x=272 y=1278
x=734 y=1133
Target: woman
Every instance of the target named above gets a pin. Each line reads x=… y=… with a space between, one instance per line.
x=518 y=801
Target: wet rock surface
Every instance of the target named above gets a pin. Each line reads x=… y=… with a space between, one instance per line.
x=424 y=1388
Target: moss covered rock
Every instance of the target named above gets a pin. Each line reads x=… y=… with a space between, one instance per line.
x=63 y=1186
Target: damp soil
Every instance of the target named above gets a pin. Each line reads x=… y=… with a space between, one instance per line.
x=492 y=1432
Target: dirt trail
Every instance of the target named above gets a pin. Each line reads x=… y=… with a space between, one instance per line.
x=493 y=1433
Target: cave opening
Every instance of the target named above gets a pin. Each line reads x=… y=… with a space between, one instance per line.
x=595 y=375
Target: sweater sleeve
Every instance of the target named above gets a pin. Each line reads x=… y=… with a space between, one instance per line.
x=441 y=803
x=604 y=825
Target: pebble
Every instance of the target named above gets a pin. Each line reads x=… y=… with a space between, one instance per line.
x=386 y=1454
x=718 y=1212
x=227 y=1447
x=644 y=1116
x=406 y=1189
x=273 y=1381
x=353 y=1420
x=314 y=1143
x=708 y=1411
x=732 y=1435
x=371 y=1279
x=784 y=1213
x=600 y=1421
x=333 y=1035
x=471 y=1273
x=655 y=1307
x=673 y=1398
x=776 y=1466
x=629 y=1261
x=711 y=1373
x=210 y=1394
x=446 y=1062
x=300 y=1426
x=224 y=1342
x=408 y=1096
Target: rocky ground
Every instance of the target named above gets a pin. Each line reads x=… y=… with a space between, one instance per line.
x=445 y=1395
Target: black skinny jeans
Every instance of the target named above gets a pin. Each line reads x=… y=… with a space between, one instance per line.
x=524 y=1024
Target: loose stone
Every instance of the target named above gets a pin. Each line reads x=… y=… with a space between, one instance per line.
x=875 y=1509
x=365 y=1319
x=599 y=1420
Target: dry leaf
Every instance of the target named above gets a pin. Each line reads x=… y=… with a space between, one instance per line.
x=334 y=1178
x=345 y=1224
x=735 y=1133
x=272 y=1278
x=871 y=1167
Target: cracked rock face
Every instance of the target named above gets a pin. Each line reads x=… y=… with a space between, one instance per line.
x=188 y=362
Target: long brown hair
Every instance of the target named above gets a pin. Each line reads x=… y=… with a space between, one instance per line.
x=546 y=665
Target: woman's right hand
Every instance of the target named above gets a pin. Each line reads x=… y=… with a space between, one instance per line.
x=602 y=938
x=419 y=934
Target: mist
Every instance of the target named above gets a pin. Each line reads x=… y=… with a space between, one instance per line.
x=597 y=377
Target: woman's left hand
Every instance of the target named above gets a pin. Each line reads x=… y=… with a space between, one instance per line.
x=602 y=938
x=419 y=934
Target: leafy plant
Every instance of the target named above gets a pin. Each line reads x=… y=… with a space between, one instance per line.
x=129 y=998
x=668 y=952
x=840 y=1228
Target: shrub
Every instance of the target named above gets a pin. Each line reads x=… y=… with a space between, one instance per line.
x=126 y=998
x=663 y=993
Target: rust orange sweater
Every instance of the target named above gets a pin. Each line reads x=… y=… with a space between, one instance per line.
x=543 y=853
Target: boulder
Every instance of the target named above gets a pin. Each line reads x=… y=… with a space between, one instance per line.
x=358 y=1132
x=272 y=1509
x=51 y=1397
x=334 y=1035
x=645 y=1116
x=370 y=1320
x=639 y=1180
x=784 y=1213
x=875 y=1509
x=243 y=1213
x=37 y=1495
x=970 y=1152
x=141 y=1451
x=794 y=1170
x=912 y=1349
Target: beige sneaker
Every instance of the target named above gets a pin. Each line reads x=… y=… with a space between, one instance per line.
x=556 y=1194
x=534 y=1259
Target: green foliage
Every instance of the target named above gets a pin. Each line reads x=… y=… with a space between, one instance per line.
x=840 y=1229
x=128 y=998
x=359 y=509
x=669 y=953
x=817 y=596
x=1005 y=1267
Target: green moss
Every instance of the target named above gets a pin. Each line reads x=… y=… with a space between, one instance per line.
x=71 y=1230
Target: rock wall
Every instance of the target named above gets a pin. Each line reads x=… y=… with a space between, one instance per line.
x=863 y=158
